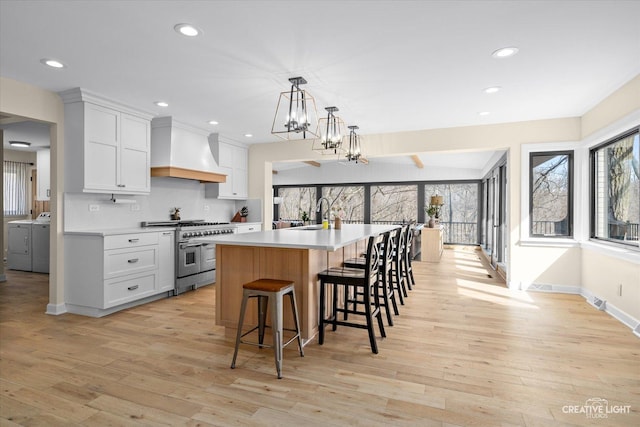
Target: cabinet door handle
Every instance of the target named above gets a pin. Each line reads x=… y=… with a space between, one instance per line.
x=132 y=261
x=121 y=185
x=167 y=233
x=133 y=288
x=134 y=240
x=48 y=192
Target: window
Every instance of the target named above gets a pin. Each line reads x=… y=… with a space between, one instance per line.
x=394 y=203
x=615 y=184
x=459 y=214
x=347 y=200
x=550 y=194
x=15 y=188
x=295 y=201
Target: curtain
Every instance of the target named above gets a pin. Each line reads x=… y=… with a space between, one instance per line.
x=15 y=188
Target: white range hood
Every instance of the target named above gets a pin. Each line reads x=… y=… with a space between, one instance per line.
x=182 y=151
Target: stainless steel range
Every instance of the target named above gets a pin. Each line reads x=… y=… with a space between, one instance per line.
x=195 y=261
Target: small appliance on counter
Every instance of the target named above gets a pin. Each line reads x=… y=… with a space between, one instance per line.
x=28 y=244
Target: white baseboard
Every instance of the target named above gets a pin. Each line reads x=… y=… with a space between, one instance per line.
x=593 y=300
x=56 y=309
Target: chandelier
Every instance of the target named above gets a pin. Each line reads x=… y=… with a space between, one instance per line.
x=354 y=153
x=296 y=113
x=330 y=130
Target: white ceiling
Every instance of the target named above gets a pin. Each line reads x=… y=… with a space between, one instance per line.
x=388 y=65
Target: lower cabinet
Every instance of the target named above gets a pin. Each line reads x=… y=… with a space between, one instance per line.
x=105 y=274
x=432 y=244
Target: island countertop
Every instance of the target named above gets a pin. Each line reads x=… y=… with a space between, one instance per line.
x=311 y=237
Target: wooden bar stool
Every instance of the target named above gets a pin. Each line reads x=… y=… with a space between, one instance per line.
x=270 y=292
x=358 y=281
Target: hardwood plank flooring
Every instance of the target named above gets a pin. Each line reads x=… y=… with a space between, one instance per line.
x=465 y=351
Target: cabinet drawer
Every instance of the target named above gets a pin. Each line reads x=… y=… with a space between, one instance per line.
x=126 y=289
x=126 y=261
x=130 y=240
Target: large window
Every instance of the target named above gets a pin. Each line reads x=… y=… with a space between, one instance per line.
x=394 y=203
x=459 y=214
x=297 y=202
x=616 y=189
x=550 y=199
x=15 y=188
x=346 y=201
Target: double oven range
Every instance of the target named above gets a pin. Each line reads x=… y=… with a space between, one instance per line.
x=195 y=261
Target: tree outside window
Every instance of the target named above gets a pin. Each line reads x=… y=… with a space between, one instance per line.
x=616 y=189
x=296 y=202
x=394 y=203
x=550 y=186
x=346 y=201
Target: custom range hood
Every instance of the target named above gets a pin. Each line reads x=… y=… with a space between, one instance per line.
x=182 y=151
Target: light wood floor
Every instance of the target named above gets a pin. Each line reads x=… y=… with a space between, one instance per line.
x=464 y=351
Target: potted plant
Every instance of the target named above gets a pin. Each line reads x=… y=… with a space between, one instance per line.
x=432 y=210
x=305 y=217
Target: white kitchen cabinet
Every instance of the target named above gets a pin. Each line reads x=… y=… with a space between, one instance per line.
x=167 y=267
x=107 y=273
x=248 y=228
x=43 y=165
x=106 y=146
x=232 y=161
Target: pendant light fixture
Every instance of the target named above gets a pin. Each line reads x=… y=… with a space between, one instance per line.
x=354 y=150
x=331 y=133
x=296 y=113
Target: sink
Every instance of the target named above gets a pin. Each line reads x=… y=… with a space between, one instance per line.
x=314 y=227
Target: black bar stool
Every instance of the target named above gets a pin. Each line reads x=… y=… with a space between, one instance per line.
x=407 y=271
x=358 y=282
x=385 y=281
x=271 y=292
x=397 y=276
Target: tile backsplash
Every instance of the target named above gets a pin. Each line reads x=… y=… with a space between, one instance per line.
x=97 y=211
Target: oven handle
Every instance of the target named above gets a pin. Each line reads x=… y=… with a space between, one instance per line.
x=189 y=245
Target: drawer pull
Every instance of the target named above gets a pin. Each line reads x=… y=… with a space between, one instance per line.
x=132 y=261
x=121 y=185
x=133 y=288
x=134 y=240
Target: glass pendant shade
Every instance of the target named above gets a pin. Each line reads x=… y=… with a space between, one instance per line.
x=331 y=133
x=296 y=113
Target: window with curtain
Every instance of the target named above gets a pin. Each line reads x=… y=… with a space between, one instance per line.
x=615 y=183
x=15 y=188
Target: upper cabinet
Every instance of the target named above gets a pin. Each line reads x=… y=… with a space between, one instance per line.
x=106 y=146
x=233 y=161
x=43 y=164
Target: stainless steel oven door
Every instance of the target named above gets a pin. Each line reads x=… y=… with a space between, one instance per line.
x=208 y=257
x=189 y=259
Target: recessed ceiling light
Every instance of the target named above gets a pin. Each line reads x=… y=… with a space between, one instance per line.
x=53 y=63
x=20 y=144
x=505 y=52
x=484 y=113
x=492 y=89
x=187 y=30
x=213 y=122
x=161 y=104
x=248 y=135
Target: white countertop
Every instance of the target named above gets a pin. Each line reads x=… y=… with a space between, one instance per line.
x=302 y=237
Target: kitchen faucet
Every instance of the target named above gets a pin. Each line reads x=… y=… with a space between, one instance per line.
x=318 y=209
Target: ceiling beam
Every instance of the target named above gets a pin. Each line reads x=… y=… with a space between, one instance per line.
x=417 y=161
x=312 y=163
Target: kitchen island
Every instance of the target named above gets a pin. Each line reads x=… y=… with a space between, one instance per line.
x=295 y=254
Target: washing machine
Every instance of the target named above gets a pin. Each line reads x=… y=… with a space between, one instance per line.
x=40 y=243
x=19 y=245
x=28 y=244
